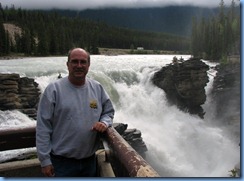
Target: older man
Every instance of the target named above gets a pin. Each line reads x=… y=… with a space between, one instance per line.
x=71 y=112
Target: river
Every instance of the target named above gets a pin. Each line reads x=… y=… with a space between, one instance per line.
x=179 y=144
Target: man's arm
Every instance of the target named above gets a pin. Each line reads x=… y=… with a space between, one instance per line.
x=44 y=129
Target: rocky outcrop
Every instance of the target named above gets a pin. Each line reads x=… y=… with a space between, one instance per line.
x=21 y=93
x=227 y=85
x=132 y=136
x=13 y=31
x=226 y=95
x=184 y=83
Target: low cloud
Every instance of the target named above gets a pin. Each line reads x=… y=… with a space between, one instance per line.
x=95 y=4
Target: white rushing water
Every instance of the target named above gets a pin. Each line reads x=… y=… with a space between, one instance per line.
x=179 y=144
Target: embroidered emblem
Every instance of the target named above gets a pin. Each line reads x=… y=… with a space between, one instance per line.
x=93 y=104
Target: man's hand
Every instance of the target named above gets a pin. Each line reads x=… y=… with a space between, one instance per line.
x=100 y=127
x=48 y=171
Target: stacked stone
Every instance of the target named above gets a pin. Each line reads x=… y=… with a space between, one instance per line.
x=19 y=93
x=132 y=136
x=29 y=95
x=9 y=98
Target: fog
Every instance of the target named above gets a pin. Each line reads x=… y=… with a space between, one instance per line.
x=95 y=4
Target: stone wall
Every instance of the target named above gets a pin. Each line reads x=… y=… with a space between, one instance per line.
x=184 y=84
x=21 y=93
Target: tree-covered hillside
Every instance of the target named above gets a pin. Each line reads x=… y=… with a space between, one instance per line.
x=214 y=33
x=218 y=37
x=48 y=33
x=171 y=19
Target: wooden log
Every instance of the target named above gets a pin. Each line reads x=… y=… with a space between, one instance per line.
x=17 y=138
x=135 y=165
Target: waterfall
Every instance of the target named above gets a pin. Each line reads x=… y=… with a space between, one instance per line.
x=179 y=144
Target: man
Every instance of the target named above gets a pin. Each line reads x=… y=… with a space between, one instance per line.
x=71 y=112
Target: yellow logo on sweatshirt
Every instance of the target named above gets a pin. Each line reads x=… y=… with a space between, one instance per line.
x=93 y=104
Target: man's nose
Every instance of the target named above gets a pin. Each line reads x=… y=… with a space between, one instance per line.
x=80 y=64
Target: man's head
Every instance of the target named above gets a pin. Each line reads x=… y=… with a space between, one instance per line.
x=78 y=65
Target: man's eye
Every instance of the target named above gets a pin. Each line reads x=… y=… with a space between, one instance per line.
x=76 y=62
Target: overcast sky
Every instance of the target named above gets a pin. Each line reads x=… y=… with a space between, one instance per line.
x=94 y=4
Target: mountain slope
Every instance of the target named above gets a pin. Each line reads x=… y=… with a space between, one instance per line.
x=172 y=19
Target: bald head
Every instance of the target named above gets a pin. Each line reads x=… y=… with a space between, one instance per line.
x=78 y=65
x=78 y=50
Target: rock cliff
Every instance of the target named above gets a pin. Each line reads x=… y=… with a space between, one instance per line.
x=21 y=93
x=226 y=95
x=184 y=83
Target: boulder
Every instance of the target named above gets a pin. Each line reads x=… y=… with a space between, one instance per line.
x=132 y=136
x=184 y=84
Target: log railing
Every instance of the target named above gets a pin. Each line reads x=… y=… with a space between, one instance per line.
x=17 y=138
x=126 y=158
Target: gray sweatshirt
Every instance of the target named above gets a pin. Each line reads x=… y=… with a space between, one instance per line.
x=66 y=114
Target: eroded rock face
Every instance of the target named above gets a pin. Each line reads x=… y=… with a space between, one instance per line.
x=19 y=93
x=226 y=95
x=226 y=89
x=184 y=84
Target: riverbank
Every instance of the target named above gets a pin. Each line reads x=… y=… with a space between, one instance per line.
x=105 y=51
x=114 y=51
x=14 y=56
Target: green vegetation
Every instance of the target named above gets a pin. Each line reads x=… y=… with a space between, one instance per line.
x=233 y=172
x=45 y=33
x=217 y=37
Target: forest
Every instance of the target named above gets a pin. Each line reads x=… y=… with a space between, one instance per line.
x=168 y=19
x=48 y=33
x=219 y=36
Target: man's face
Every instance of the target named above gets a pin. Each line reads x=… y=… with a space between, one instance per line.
x=78 y=64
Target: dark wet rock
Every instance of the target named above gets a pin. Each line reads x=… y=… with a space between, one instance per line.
x=226 y=96
x=226 y=89
x=132 y=136
x=184 y=84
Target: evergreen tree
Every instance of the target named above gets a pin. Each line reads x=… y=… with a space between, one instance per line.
x=219 y=36
x=26 y=42
x=2 y=39
x=43 y=43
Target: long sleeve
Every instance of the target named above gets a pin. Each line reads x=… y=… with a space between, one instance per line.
x=108 y=110
x=44 y=129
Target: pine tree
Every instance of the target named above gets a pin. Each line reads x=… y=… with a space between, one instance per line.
x=2 y=39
